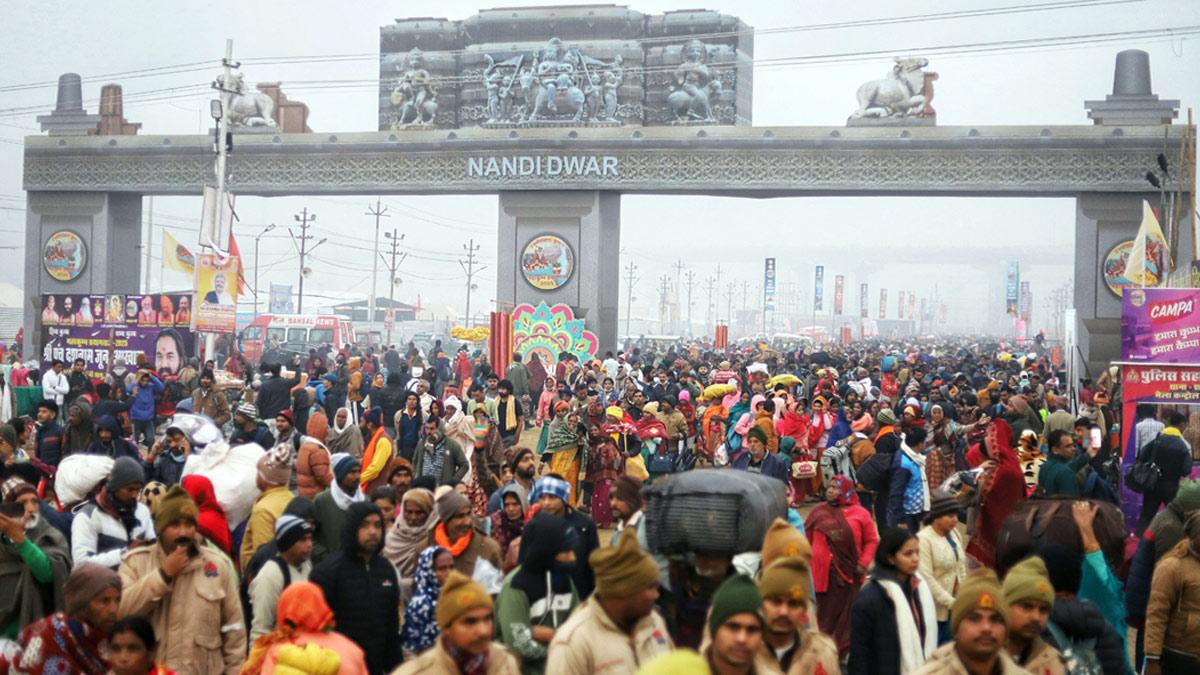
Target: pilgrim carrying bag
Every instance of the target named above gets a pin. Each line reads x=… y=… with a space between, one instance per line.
x=712 y=511
x=1049 y=519
x=1144 y=475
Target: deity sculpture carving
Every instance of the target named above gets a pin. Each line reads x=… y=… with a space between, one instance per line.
x=557 y=85
x=694 y=87
x=905 y=91
x=415 y=95
x=245 y=109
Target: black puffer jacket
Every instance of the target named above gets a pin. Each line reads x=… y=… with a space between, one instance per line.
x=364 y=595
x=1081 y=620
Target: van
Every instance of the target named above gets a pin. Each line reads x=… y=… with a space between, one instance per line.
x=294 y=333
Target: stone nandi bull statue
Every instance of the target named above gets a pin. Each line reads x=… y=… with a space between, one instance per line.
x=246 y=108
x=900 y=94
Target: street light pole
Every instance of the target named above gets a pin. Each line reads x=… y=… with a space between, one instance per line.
x=379 y=211
x=257 y=237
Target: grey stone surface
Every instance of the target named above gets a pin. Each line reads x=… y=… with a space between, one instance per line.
x=650 y=49
x=69 y=117
x=590 y=222
x=110 y=224
x=1133 y=100
x=751 y=161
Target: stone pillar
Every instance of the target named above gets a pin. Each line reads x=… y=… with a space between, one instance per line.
x=1101 y=222
x=590 y=222
x=110 y=225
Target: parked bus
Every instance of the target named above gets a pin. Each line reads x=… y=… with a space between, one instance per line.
x=294 y=333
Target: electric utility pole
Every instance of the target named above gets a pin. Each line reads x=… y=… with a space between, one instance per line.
x=304 y=218
x=729 y=302
x=678 y=267
x=379 y=211
x=716 y=307
x=468 y=266
x=710 y=284
x=395 y=237
x=630 y=280
x=691 y=283
x=664 y=288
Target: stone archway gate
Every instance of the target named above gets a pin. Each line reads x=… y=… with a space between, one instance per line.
x=569 y=182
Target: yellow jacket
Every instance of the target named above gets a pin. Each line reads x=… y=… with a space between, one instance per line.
x=261 y=527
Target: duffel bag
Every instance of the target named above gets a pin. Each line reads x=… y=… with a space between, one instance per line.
x=712 y=511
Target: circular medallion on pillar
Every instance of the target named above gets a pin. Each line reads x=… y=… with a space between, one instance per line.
x=1115 y=262
x=64 y=255
x=547 y=262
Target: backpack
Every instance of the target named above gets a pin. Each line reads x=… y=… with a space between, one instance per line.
x=836 y=460
x=1144 y=475
x=1079 y=656
x=876 y=472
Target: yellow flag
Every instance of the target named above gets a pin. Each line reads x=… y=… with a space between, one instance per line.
x=1147 y=261
x=176 y=256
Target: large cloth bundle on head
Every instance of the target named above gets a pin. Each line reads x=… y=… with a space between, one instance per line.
x=717 y=512
x=787 y=379
x=78 y=474
x=889 y=364
x=716 y=391
x=232 y=472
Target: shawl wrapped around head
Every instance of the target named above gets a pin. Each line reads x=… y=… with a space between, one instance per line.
x=347 y=438
x=562 y=435
x=404 y=542
x=420 y=629
x=301 y=608
x=1001 y=488
x=58 y=644
x=22 y=597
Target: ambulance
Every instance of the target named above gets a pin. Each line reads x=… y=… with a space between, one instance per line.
x=295 y=333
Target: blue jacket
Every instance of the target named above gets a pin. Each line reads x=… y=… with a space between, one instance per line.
x=905 y=491
x=773 y=465
x=142 y=409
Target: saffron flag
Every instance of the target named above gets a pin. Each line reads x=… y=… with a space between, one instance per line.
x=1147 y=261
x=235 y=252
x=176 y=256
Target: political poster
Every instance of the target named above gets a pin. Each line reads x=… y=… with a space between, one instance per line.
x=216 y=294
x=769 y=284
x=1160 y=325
x=100 y=329
x=1012 y=287
x=900 y=306
x=819 y=288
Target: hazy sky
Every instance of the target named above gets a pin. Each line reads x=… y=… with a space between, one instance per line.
x=38 y=41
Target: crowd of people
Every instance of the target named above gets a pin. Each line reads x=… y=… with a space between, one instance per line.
x=950 y=506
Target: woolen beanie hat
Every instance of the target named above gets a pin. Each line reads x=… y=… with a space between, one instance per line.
x=624 y=568
x=782 y=541
x=14 y=487
x=287 y=415
x=736 y=595
x=152 y=495
x=8 y=434
x=275 y=466
x=343 y=463
x=1028 y=580
x=248 y=410
x=980 y=590
x=885 y=417
x=789 y=577
x=1188 y=497
x=450 y=503
x=125 y=471
x=942 y=503
x=460 y=595
x=757 y=432
x=550 y=485
x=175 y=506
x=615 y=411
x=86 y=582
x=629 y=490
x=290 y=529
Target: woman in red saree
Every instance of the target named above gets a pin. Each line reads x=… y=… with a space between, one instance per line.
x=844 y=540
x=1001 y=487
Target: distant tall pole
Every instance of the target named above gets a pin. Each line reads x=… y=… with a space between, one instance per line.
x=630 y=280
x=678 y=267
x=691 y=283
x=716 y=309
x=710 y=317
x=745 y=295
x=729 y=301
x=149 y=238
x=468 y=266
x=395 y=237
x=379 y=211
x=664 y=288
x=258 y=237
x=304 y=218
